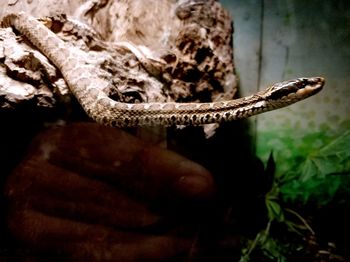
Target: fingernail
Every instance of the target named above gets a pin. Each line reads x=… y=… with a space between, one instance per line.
x=197 y=182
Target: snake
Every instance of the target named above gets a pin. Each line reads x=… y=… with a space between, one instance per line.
x=86 y=85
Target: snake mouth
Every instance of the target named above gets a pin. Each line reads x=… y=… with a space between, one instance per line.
x=295 y=90
x=310 y=86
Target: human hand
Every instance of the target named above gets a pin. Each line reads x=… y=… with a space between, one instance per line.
x=92 y=193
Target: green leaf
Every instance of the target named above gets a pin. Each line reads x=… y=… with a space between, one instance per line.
x=315 y=179
x=274 y=210
x=332 y=158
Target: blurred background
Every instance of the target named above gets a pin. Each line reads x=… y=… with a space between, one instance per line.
x=279 y=40
x=310 y=141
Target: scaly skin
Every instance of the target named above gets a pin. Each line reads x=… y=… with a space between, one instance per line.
x=87 y=87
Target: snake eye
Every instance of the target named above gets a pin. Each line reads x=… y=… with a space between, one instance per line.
x=285 y=89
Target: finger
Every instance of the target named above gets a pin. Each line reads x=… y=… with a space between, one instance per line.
x=113 y=155
x=39 y=185
x=85 y=242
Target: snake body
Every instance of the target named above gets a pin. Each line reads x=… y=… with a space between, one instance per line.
x=88 y=87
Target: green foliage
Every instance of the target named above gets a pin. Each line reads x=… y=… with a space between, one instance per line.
x=311 y=167
x=290 y=151
x=321 y=174
x=270 y=249
x=274 y=209
x=315 y=174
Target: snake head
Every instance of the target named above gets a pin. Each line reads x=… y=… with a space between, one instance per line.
x=291 y=91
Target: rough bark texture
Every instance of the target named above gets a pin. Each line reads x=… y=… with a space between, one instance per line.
x=194 y=47
x=191 y=41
